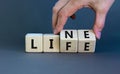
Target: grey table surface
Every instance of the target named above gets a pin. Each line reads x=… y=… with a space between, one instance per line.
x=34 y=16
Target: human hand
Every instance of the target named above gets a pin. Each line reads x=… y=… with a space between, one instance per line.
x=66 y=8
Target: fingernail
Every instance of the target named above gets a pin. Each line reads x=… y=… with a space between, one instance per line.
x=98 y=35
x=55 y=31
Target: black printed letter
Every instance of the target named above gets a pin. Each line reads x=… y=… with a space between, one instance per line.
x=86 y=46
x=51 y=44
x=86 y=34
x=70 y=35
x=68 y=45
x=32 y=44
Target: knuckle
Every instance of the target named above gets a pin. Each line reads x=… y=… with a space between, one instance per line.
x=103 y=8
x=55 y=9
x=62 y=13
x=76 y=4
x=73 y=2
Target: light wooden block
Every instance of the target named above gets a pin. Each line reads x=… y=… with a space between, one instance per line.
x=68 y=41
x=51 y=43
x=34 y=42
x=87 y=41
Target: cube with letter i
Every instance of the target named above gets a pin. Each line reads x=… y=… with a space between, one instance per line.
x=51 y=43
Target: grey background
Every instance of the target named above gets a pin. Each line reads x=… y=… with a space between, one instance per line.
x=18 y=17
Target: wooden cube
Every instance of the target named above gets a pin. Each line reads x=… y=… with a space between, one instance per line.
x=34 y=42
x=51 y=43
x=68 y=41
x=87 y=41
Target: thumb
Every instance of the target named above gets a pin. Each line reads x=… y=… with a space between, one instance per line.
x=99 y=24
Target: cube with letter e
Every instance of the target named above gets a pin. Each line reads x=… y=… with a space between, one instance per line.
x=86 y=41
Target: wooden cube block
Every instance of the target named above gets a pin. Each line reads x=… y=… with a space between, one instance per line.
x=34 y=42
x=68 y=41
x=87 y=41
x=51 y=43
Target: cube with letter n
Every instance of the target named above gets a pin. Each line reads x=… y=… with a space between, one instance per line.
x=68 y=41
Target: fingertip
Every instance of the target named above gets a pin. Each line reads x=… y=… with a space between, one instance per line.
x=97 y=34
x=55 y=31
